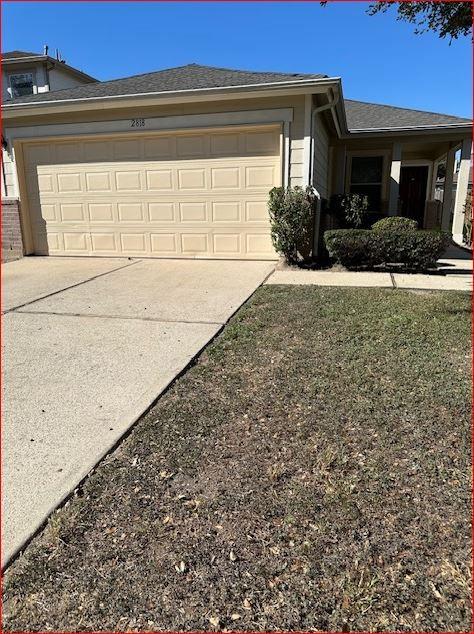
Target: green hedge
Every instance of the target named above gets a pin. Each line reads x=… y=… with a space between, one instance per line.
x=416 y=250
x=352 y=247
x=395 y=224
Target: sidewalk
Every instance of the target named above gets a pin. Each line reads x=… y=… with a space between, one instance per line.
x=454 y=273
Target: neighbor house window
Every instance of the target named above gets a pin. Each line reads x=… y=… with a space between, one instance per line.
x=21 y=84
x=366 y=179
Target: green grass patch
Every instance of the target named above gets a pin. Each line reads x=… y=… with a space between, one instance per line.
x=310 y=471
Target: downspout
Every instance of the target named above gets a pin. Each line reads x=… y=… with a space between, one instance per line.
x=317 y=217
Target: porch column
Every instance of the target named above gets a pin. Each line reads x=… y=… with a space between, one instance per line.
x=461 y=190
x=448 y=191
x=395 y=179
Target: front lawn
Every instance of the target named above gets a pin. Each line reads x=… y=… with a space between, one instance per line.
x=311 y=471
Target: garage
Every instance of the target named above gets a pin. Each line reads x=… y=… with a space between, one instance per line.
x=193 y=194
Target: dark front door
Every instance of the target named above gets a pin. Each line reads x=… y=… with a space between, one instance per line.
x=412 y=192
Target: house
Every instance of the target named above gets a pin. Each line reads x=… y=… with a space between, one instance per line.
x=26 y=73
x=179 y=162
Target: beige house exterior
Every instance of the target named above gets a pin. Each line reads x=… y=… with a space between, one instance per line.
x=179 y=163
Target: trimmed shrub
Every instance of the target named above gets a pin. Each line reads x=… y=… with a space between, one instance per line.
x=352 y=247
x=415 y=250
x=291 y=216
x=395 y=224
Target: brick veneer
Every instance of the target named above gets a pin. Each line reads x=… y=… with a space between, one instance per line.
x=12 y=242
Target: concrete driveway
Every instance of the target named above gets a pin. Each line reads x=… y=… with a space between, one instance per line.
x=89 y=344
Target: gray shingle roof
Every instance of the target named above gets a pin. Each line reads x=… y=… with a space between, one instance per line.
x=16 y=54
x=192 y=76
x=364 y=116
x=360 y=115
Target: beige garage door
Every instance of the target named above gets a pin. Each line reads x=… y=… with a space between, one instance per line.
x=199 y=194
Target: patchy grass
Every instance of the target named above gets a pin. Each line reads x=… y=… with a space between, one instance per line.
x=310 y=472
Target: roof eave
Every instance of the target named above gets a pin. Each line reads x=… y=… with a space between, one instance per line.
x=25 y=59
x=405 y=130
x=303 y=86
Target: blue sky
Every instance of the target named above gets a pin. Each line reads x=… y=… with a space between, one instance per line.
x=378 y=58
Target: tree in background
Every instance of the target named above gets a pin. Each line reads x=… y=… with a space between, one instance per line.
x=451 y=19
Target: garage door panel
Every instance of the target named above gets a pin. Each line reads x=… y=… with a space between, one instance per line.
x=67 y=183
x=169 y=195
x=196 y=211
x=226 y=211
x=71 y=212
x=259 y=244
x=192 y=178
x=161 y=212
x=134 y=243
x=225 y=178
x=164 y=244
x=104 y=243
x=130 y=212
x=259 y=176
x=160 y=180
x=46 y=184
x=98 y=182
x=256 y=211
x=227 y=243
x=100 y=212
x=195 y=244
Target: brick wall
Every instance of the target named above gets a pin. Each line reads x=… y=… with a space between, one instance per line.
x=12 y=243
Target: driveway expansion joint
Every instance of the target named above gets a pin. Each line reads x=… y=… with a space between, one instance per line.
x=116 y=316
x=89 y=279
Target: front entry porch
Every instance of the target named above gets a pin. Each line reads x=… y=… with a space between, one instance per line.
x=399 y=175
x=415 y=194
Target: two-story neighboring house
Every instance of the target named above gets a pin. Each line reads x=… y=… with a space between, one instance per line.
x=25 y=74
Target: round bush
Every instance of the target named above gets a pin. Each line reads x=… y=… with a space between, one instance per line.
x=395 y=224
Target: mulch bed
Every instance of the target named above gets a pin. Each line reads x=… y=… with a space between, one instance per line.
x=310 y=472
